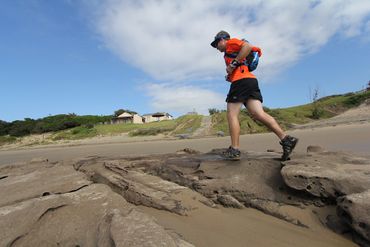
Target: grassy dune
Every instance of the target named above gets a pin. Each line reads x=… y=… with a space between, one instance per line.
x=323 y=108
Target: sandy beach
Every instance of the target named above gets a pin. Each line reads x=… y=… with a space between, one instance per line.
x=346 y=137
x=224 y=226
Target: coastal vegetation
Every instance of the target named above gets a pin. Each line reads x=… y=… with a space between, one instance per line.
x=73 y=127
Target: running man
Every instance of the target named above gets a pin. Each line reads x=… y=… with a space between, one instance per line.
x=244 y=89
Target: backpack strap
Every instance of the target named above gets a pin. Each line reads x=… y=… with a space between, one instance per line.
x=231 y=55
x=251 y=61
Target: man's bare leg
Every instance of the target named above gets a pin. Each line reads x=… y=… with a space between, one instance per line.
x=255 y=108
x=233 y=110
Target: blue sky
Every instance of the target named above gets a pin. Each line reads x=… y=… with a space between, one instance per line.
x=94 y=57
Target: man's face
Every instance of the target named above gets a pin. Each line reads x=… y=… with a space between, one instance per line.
x=221 y=46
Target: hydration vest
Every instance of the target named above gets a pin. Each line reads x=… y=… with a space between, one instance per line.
x=251 y=61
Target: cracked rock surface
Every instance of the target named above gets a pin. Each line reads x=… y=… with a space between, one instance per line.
x=92 y=201
x=328 y=174
x=55 y=205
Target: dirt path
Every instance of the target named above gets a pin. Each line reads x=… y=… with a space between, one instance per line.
x=205 y=127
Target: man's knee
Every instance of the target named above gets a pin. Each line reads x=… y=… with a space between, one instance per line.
x=232 y=115
x=257 y=115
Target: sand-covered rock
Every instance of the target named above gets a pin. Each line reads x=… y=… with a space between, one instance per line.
x=55 y=205
x=162 y=181
x=354 y=209
x=126 y=177
x=37 y=179
x=341 y=178
x=328 y=174
x=92 y=201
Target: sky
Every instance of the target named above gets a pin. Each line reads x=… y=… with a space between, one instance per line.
x=93 y=57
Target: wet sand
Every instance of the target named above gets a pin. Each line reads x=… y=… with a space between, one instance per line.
x=350 y=138
x=247 y=227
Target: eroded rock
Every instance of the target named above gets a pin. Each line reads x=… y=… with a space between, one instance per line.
x=39 y=179
x=91 y=216
x=315 y=149
x=354 y=209
x=53 y=204
x=161 y=181
x=179 y=183
x=229 y=201
x=328 y=175
x=127 y=178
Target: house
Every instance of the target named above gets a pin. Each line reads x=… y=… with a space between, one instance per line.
x=128 y=118
x=156 y=117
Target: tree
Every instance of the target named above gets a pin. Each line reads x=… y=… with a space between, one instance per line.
x=22 y=128
x=368 y=86
x=4 y=128
x=120 y=111
x=213 y=111
x=317 y=110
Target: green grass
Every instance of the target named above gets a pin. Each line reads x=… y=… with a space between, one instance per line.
x=187 y=124
x=321 y=109
x=7 y=140
x=219 y=123
x=326 y=107
x=112 y=129
x=247 y=124
x=76 y=133
x=184 y=124
x=148 y=131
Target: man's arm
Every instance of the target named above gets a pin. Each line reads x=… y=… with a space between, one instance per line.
x=243 y=53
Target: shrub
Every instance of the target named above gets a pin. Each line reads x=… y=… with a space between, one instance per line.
x=7 y=139
x=21 y=128
x=149 y=131
x=81 y=130
x=4 y=128
x=317 y=111
x=213 y=111
x=356 y=100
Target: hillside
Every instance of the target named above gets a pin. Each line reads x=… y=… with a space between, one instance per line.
x=331 y=110
x=335 y=109
x=184 y=125
x=353 y=115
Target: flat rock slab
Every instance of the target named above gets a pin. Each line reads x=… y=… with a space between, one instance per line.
x=127 y=177
x=163 y=181
x=258 y=180
x=26 y=181
x=92 y=216
x=91 y=201
x=73 y=212
x=328 y=174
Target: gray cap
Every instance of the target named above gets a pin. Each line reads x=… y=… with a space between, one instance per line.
x=220 y=35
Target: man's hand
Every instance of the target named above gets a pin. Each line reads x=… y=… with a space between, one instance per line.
x=230 y=68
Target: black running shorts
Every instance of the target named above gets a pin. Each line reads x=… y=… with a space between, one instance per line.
x=244 y=89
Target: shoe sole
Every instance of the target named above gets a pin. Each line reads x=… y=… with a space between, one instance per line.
x=231 y=159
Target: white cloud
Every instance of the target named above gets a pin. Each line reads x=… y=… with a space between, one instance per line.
x=169 y=40
x=181 y=99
